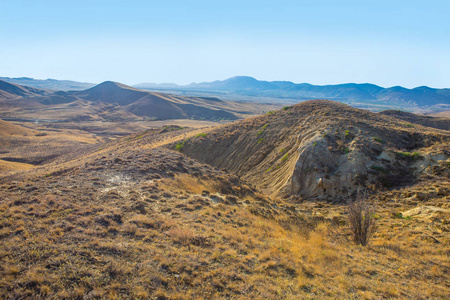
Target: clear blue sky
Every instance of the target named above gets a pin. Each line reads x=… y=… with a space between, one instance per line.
x=395 y=42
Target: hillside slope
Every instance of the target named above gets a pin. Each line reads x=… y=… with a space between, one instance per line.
x=12 y=91
x=8 y=129
x=321 y=148
x=435 y=122
x=128 y=219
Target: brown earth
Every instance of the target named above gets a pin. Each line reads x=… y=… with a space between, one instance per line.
x=131 y=219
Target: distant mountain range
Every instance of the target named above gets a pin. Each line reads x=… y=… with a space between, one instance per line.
x=366 y=93
x=244 y=88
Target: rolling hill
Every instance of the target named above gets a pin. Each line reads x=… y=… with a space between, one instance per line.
x=321 y=148
x=12 y=91
x=114 y=102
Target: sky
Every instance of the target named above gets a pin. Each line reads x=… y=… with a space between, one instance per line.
x=387 y=43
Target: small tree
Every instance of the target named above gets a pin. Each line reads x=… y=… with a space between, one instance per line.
x=361 y=221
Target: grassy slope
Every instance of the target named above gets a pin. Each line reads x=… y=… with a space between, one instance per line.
x=133 y=221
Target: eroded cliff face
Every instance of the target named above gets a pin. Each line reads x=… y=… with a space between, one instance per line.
x=324 y=171
x=329 y=165
x=322 y=149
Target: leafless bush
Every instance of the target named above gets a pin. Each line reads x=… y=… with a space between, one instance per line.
x=360 y=220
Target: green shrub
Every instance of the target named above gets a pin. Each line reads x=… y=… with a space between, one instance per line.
x=285 y=157
x=286 y=107
x=173 y=128
x=377 y=139
x=399 y=215
x=201 y=135
x=409 y=155
x=179 y=146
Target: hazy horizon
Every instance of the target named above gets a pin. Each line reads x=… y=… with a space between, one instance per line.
x=380 y=42
x=223 y=79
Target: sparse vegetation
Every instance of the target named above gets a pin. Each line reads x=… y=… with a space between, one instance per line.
x=201 y=135
x=409 y=155
x=379 y=140
x=360 y=220
x=285 y=157
x=172 y=128
x=399 y=215
x=286 y=107
x=180 y=146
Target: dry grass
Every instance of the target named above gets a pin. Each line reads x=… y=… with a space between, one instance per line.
x=189 y=246
x=130 y=221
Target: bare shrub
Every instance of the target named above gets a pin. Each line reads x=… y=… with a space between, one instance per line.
x=360 y=220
